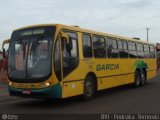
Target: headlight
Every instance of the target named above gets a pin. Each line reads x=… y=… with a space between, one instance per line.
x=10 y=83
x=47 y=84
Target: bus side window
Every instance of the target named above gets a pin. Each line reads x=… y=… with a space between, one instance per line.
x=125 y=49
x=112 y=48
x=132 y=50
x=87 y=46
x=146 y=51
x=152 y=51
x=109 y=47
x=120 y=48
x=140 y=50
x=99 y=47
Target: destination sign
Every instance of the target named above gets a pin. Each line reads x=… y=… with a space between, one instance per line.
x=32 y=32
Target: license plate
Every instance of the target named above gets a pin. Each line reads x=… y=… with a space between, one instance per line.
x=27 y=92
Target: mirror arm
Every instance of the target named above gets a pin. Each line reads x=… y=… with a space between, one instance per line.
x=5 y=42
x=64 y=36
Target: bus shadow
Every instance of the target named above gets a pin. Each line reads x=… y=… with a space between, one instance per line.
x=48 y=103
x=61 y=103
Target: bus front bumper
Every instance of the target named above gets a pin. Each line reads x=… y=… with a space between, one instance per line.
x=54 y=91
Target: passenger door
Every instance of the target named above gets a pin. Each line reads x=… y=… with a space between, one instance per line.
x=70 y=57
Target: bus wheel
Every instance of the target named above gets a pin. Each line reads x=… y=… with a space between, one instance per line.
x=89 y=88
x=143 y=78
x=137 y=79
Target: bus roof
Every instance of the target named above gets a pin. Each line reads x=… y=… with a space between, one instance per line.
x=76 y=28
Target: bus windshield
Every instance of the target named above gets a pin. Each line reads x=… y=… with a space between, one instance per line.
x=30 y=57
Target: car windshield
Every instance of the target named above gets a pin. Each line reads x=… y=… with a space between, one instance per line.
x=30 y=58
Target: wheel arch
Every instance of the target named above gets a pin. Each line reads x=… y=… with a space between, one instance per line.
x=144 y=69
x=93 y=75
x=138 y=69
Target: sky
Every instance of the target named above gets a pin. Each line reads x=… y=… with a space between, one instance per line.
x=127 y=18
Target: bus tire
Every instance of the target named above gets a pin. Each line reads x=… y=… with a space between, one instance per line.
x=137 y=79
x=143 y=78
x=89 y=88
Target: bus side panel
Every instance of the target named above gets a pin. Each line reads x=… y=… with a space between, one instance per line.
x=110 y=73
x=73 y=84
x=112 y=82
x=72 y=89
x=105 y=83
x=152 y=68
x=131 y=64
x=151 y=74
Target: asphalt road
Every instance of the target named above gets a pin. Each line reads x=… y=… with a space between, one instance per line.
x=123 y=99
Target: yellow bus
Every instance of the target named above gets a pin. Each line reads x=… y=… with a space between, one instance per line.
x=60 y=61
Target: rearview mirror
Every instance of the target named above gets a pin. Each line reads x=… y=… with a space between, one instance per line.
x=65 y=37
x=4 y=51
